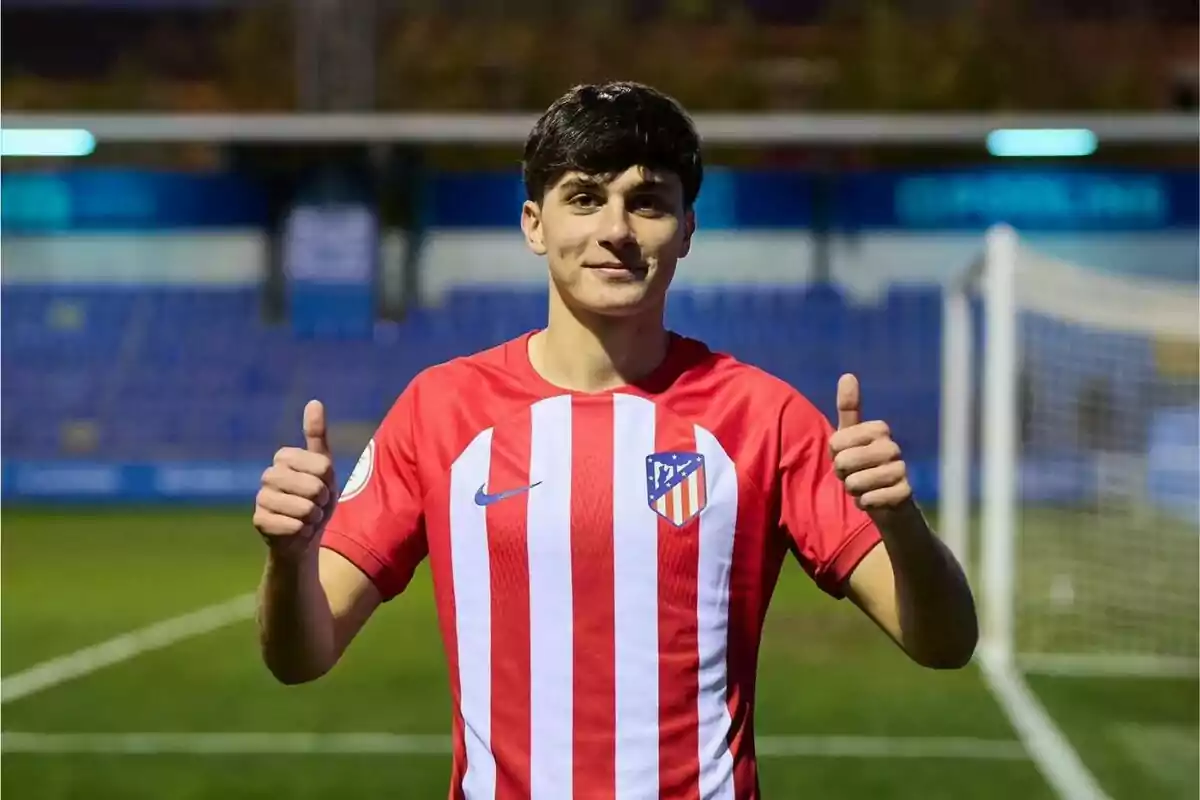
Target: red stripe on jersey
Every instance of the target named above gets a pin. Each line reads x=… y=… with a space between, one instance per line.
x=437 y=517
x=756 y=564
x=508 y=552
x=594 y=756
x=678 y=640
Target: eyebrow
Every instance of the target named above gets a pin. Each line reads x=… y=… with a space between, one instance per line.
x=580 y=184
x=649 y=182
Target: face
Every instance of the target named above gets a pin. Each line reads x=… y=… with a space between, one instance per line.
x=612 y=245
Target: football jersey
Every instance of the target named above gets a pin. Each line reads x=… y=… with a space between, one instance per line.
x=602 y=562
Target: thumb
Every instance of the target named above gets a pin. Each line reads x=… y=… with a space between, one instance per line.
x=314 y=428
x=849 y=402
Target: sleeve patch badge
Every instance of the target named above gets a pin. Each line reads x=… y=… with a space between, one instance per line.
x=362 y=473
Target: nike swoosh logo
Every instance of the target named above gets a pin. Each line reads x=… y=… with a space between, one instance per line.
x=482 y=498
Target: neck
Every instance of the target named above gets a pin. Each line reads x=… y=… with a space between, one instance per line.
x=593 y=353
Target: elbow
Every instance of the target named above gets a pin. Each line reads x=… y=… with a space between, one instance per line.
x=294 y=669
x=955 y=652
x=294 y=674
x=951 y=645
x=294 y=680
x=291 y=676
x=947 y=660
x=293 y=662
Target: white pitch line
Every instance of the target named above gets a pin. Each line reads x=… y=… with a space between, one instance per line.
x=400 y=744
x=223 y=743
x=1052 y=754
x=891 y=747
x=124 y=647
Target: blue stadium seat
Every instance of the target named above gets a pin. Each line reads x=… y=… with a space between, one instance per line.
x=182 y=373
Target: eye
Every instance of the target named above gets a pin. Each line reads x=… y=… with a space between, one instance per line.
x=649 y=204
x=585 y=200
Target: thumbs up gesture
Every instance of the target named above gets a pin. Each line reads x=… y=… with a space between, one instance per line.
x=864 y=456
x=298 y=490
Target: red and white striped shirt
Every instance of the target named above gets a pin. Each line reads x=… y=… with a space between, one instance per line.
x=602 y=562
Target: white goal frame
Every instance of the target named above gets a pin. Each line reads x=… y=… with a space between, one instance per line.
x=995 y=277
x=995 y=270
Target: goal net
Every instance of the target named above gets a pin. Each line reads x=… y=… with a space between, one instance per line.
x=1070 y=406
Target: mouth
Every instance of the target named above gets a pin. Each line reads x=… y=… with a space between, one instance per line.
x=617 y=270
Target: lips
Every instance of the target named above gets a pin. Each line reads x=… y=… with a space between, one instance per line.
x=617 y=268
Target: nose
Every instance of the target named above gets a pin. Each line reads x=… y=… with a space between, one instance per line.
x=615 y=232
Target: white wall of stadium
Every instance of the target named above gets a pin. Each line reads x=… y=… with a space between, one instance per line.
x=863 y=264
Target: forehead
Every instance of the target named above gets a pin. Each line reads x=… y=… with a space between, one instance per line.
x=635 y=177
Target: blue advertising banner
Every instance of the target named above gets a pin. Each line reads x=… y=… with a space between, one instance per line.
x=331 y=242
x=1028 y=199
x=1066 y=480
x=743 y=199
x=200 y=481
x=1174 y=462
x=1044 y=199
x=114 y=200
x=330 y=261
x=144 y=482
x=74 y=481
x=939 y=200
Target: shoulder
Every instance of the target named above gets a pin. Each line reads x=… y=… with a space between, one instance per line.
x=728 y=381
x=730 y=375
x=447 y=397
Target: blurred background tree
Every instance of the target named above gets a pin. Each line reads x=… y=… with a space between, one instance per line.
x=485 y=54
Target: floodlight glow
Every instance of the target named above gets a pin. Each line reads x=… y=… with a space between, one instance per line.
x=1043 y=142
x=46 y=143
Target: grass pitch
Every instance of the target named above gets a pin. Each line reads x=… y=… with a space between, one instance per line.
x=73 y=578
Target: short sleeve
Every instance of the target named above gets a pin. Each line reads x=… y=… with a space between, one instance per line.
x=379 y=522
x=828 y=532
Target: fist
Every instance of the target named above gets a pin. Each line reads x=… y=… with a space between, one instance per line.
x=298 y=489
x=864 y=456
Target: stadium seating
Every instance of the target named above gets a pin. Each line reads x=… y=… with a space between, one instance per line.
x=137 y=374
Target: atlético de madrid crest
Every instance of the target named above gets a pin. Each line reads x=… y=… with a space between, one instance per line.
x=675 y=485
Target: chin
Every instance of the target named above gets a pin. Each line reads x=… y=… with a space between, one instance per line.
x=617 y=302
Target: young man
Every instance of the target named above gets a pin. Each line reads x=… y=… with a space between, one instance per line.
x=605 y=505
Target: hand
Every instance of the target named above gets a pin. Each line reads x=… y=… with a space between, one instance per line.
x=298 y=491
x=864 y=456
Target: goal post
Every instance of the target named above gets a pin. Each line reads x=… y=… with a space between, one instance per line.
x=1085 y=393
x=999 y=462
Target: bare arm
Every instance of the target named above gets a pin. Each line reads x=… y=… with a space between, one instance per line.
x=912 y=586
x=915 y=590
x=310 y=609
x=312 y=601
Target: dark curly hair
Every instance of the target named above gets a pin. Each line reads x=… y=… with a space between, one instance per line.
x=606 y=129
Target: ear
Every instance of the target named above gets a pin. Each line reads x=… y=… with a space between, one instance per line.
x=689 y=228
x=531 y=225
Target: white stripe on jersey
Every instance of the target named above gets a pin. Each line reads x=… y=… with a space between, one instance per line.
x=717 y=527
x=635 y=590
x=693 y=492
x=551 y=631
x=473 y=613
